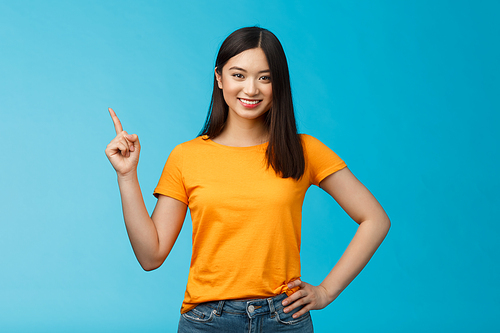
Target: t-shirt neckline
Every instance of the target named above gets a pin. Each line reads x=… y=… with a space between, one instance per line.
x=206 y=139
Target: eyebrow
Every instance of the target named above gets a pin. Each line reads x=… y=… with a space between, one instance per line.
x=241 y=69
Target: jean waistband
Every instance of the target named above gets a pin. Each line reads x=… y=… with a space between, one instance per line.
x=252 y=307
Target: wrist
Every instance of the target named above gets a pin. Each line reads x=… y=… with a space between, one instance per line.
x=332 y=292
x=130 y=176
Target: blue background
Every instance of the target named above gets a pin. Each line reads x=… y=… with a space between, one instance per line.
x=406 y=92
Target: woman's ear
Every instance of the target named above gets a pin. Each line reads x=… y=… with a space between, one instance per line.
x=219 y=78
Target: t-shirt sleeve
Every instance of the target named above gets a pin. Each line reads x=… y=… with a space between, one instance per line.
x=171 y=181
x=321 y=161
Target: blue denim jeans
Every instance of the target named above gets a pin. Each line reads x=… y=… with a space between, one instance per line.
x=251 y=316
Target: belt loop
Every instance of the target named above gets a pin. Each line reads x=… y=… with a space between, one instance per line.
x=219 y=308
x=271 y=305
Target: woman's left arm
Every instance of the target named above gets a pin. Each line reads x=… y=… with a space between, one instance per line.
x=374 y=224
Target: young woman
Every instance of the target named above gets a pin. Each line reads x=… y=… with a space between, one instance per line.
x=244 y=180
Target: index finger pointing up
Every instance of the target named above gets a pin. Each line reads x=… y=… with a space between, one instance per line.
x=116 y=121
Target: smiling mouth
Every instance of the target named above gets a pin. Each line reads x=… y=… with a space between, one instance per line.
x=249 y=101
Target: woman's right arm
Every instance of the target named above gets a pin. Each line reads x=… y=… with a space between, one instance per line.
x=153 y=237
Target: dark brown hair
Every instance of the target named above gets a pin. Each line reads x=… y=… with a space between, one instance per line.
x=284 y=152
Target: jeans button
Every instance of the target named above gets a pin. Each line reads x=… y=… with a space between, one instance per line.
x=251 y=308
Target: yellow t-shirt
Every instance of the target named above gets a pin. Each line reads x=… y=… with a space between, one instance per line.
x=246 y=219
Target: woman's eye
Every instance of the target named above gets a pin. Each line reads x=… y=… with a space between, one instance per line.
x=239 y=76
x=266 y=78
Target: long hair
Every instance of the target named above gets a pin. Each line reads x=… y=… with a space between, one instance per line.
x=284 y=152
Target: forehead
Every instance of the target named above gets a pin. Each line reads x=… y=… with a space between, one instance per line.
x=251 y=59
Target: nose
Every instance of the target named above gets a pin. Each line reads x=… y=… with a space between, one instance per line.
x=251 y=88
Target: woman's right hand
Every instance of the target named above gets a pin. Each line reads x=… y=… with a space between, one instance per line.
x=123 y=151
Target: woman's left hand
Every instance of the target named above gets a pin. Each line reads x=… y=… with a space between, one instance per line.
x=309 y=296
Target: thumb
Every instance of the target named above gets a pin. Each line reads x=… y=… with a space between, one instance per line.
x=133 y=139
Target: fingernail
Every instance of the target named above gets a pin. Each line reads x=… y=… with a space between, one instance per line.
x=285 y=303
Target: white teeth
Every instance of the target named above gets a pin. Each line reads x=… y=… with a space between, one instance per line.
x=246 y=101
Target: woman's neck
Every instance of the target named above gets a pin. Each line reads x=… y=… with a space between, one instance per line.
x=243 y=133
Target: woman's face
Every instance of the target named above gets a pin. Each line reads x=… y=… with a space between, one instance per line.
x=246 y=84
